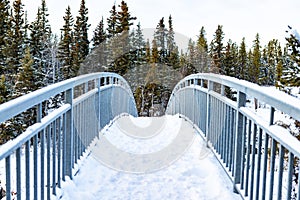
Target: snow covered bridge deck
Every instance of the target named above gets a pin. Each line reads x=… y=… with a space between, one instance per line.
x=192 y=172
x=152 y=157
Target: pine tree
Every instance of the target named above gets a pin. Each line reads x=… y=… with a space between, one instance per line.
x=263 y=71
x=14 y=44
x=40 y=39
x=160 y=39
x=139 y=45
x=25 y=83
x=254 y=69
x=291 y=72
x=99 y=34
x=279 y=68
x=202 y=57
x=100 y=46
x=148 y=51
x=119 y=55
x=124 y=18
x=66 y=46
x=202 y=42
x=81 y=40
x=171 y=45
x=4 y=18
x=155 y=53
x=217 y=49
x=112 y=22
x=229 y=59
x=26 y=75
x=242 y=61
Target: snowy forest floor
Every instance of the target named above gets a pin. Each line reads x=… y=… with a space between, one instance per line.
x=194 y=174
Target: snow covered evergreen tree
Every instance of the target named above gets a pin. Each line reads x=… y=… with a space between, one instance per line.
x=160 y=37
x=81 y=41
x=4 y=26
x=14 y=45
x=65 y=47
x=291 y=73
x=40 y=41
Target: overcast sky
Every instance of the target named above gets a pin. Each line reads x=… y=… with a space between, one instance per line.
x=240 y=18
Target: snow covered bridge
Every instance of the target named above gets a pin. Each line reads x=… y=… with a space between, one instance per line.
x=207 y=146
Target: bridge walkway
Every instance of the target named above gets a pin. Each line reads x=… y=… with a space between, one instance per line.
x=188 y=171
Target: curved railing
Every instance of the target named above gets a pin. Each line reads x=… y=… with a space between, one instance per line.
x=261 y=157
x=53 y=145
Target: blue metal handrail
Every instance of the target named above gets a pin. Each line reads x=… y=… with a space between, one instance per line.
x=60 y=138
x=243 y=142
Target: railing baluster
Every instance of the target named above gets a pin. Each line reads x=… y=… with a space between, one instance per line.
x=35 y=166
x=290 y=176
x=48 y=138
x=253 y=160
x=8 y=177
x=18 y=168
x=257 y=189
x=27 y=169
x=59 y=149
x=280 y=172
x=69 y=136
x=54 y=157
x=248 y=156
x=239 y=127
x=272 y=168
x=242 y=174
x=266 y=145
x=42 y=165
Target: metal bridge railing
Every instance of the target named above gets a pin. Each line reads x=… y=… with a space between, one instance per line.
x=259 y=156
x=56 y=141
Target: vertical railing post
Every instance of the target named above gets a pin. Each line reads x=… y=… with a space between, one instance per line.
x=39 y=115
x=241 y=102
x=210 y=87
x=69 y=134
x=98 y=96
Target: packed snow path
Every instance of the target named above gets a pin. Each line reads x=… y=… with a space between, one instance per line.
x=190 y=172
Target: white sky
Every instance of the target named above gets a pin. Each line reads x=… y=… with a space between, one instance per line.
x=240 y=18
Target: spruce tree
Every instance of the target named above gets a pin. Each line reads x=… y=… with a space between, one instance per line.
x=124 y=18
x=171 y=45
x=25 y=84
x=112 y=22
x=254 y=69
x=154 y=53
x=14 y=44
x=202 y=57
x=242 y=61
x=26 y=75
x=99 y=34
x=160 y=39
x=148 y=51
x=217 y=49
x=229 y=59
x=139 y=45
x=66 y=46
x=202 y=42
x=4 y=26
x=40 y=40
x=279 y=68
x=291 y=72
x=99 y=42
x=81 y=27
